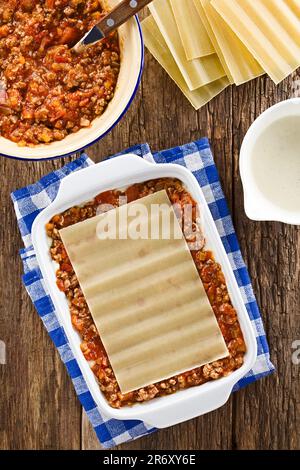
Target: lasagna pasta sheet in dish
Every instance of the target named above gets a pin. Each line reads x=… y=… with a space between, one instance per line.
x=154 y=315
x=145 y=295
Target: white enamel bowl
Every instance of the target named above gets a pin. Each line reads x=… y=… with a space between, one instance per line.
x=132 y=60
x=120 y=172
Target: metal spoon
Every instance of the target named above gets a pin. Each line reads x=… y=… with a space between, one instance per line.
x=115 y=18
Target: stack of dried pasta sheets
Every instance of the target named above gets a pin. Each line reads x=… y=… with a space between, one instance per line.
x=206 y=45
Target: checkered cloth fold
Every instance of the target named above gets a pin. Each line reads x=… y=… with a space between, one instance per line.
x=29 y=201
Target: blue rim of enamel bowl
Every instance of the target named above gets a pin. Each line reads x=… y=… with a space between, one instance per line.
x=80 y=149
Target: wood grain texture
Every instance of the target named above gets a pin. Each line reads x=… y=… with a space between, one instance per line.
x=38 y=406
x=272 y=252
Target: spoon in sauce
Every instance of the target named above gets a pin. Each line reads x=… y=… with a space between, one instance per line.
x=115 y=18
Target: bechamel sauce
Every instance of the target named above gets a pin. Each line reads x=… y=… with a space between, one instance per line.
x=275 y=162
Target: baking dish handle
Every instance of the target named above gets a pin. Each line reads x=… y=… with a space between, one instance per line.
x=124 y=165
x=186 y=409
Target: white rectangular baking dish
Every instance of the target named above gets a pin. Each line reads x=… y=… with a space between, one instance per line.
x=120 y=172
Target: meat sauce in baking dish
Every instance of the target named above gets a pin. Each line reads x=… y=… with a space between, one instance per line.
x=48 y=91
x=209 y=271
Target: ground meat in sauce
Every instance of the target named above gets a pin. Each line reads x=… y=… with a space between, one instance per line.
x=46 y=90
x=209 y=271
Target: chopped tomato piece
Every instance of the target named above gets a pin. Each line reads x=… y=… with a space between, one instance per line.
x=66 y=267
x=70 y=35
x=27 y=5
x=108 y=197
x=60 y=285
x=4 y=30
x=50 y=4
x=132 y=193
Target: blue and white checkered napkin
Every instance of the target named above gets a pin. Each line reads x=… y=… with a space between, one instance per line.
x=29 y=201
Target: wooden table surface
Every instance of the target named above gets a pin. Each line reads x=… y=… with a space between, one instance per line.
x=38 y=405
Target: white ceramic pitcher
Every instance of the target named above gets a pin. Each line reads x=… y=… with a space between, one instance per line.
x=257 y=205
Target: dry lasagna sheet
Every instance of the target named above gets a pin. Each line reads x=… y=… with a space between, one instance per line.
x=196 y=72
x=193 y=34
x=240 y=64
x=270 y=29
x=145 y=294
x=156 y=44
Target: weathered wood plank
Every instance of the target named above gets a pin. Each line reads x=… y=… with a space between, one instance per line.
x=38 y=407
x=266 y=415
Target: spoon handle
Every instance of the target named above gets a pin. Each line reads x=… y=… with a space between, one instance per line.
x=120 y=14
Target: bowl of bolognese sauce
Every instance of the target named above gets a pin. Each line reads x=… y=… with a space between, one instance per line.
x=54 y=101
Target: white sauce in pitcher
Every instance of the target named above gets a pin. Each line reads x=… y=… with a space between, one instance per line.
x=275 y=162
